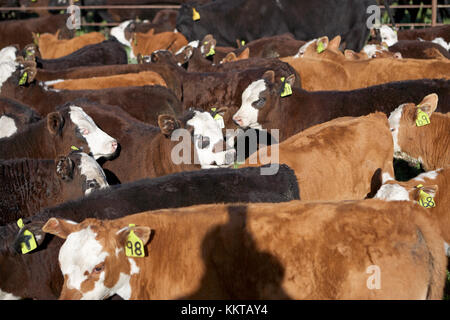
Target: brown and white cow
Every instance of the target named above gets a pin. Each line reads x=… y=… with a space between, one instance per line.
x=368 y=249
x=335 y=160
x=435 y=184
x=56 y=134
x=427 y=144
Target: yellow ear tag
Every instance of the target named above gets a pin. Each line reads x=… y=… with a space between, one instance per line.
x=287 y=90
x=218 y=118
x=30 y=242
x=211 y=52
x=195 y=15
x=23 y=79
x=74 y=148
x=243 y=42
x=425 y=200
x=422 y=118
x=320 y=47
x=134 y=246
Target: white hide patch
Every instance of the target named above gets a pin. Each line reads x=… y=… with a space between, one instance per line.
x=447 y=249
x=440 y=41
x=392 y=192
x=7 y=127
x=388 y=35
x=372 y=49
x=394 y=123
x=386 y=177
x=8 y=63
x=193 y=44
x=119 y=33
x=303 y=48
x=92 y=171
x=100 y=143
x=80 y=253
x=428 y=175
x=247 y=113
x=8 y=296
x=205 y=126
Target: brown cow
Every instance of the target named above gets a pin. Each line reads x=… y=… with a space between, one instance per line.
x=329 y=70
x=335 y=160
x=29 y=185
x=50 y=47
x=368 y=249
x=54 y=135
x=435 y=183
x=147 y=43
x=143 y=78
x=420 y=134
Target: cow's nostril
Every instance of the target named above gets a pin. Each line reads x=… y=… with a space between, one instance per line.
x=114 y=145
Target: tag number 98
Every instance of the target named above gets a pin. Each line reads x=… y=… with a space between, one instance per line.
x=136 y=250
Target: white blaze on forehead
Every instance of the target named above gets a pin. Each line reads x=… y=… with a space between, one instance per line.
x=80 y=253
x=100 y=143
x=8 y=63
x=388 y=35
x=247 y=113
x=92 y=171
x=372 y=49
x=394 y=123
x=392 y=192
x=7 y=126
x=303 y=48
x=119 y=33
x=205 y=126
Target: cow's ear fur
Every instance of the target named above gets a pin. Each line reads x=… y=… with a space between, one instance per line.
x=55 y=122
x=65 y=168
x=290 y=80
x=324 y=41
x=432 y=190
x=167 y=124
x=244 y=54
x=335 y=43
x=429 y=104
x=269 y=76
x=59 y=227
x=350 y=54
x=36 y=229
x=142 y=232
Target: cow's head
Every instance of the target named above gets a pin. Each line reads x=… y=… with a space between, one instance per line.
x=409 y=138
x=388 y=35
x=380 y=51
x=123 y=32
x=260 y=95
x=80 y=174
x=71 y=126
x=320 y=48
x=205 y=134
x=93 y=260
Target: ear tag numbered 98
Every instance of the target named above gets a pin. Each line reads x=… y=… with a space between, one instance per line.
x=134 y=246
x=425 y=200
x=29 y=243
x=287 y=90
x=422 y=118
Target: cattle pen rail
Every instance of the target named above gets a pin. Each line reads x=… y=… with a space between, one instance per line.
x=434 y=7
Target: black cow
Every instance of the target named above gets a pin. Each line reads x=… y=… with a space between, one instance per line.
x=37 y=274
x=231 y=20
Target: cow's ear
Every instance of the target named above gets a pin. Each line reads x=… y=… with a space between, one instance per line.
x=222 y=110
x=231 y=56
x=244 y=54
x=208 y=44
x=429 y=104
x=350 y=54
x=430 y=189
x=55 y=122
x=269 y=76
x=398 y=55
x=335 y=43
x=142 y=232
x=60 y=227
x=65 y=168
x=290 y=80
x=167 y=124
x=35 y=228
x=322 y=44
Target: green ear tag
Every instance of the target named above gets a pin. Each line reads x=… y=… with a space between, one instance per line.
x=134 y=246
x=287 y=90
x=211 y=52
x=195 y=15
x=23 y=79
x=425 y=200
x=422 y=118
x=320 y=47
x=74 y=148
x=29 y=243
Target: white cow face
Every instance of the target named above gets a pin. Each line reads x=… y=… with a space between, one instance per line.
x=388 y=35
x=8 y=63
x=93 y=260
x=252 y=102
x=209 y=141
x=100 y=143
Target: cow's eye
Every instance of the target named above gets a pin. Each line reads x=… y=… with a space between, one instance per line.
x=84 y=131
x=99 y=268
x=260 y=102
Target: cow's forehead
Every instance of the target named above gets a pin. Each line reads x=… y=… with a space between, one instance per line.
x=251 y=93
x=204 y=124
x=80 y=253
x=78 y=116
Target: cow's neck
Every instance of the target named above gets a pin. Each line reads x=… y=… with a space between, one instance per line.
x=35 y=142
x=159 y=158
x=39 y=185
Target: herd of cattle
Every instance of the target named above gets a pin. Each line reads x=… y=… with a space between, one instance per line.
x=100 y=199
